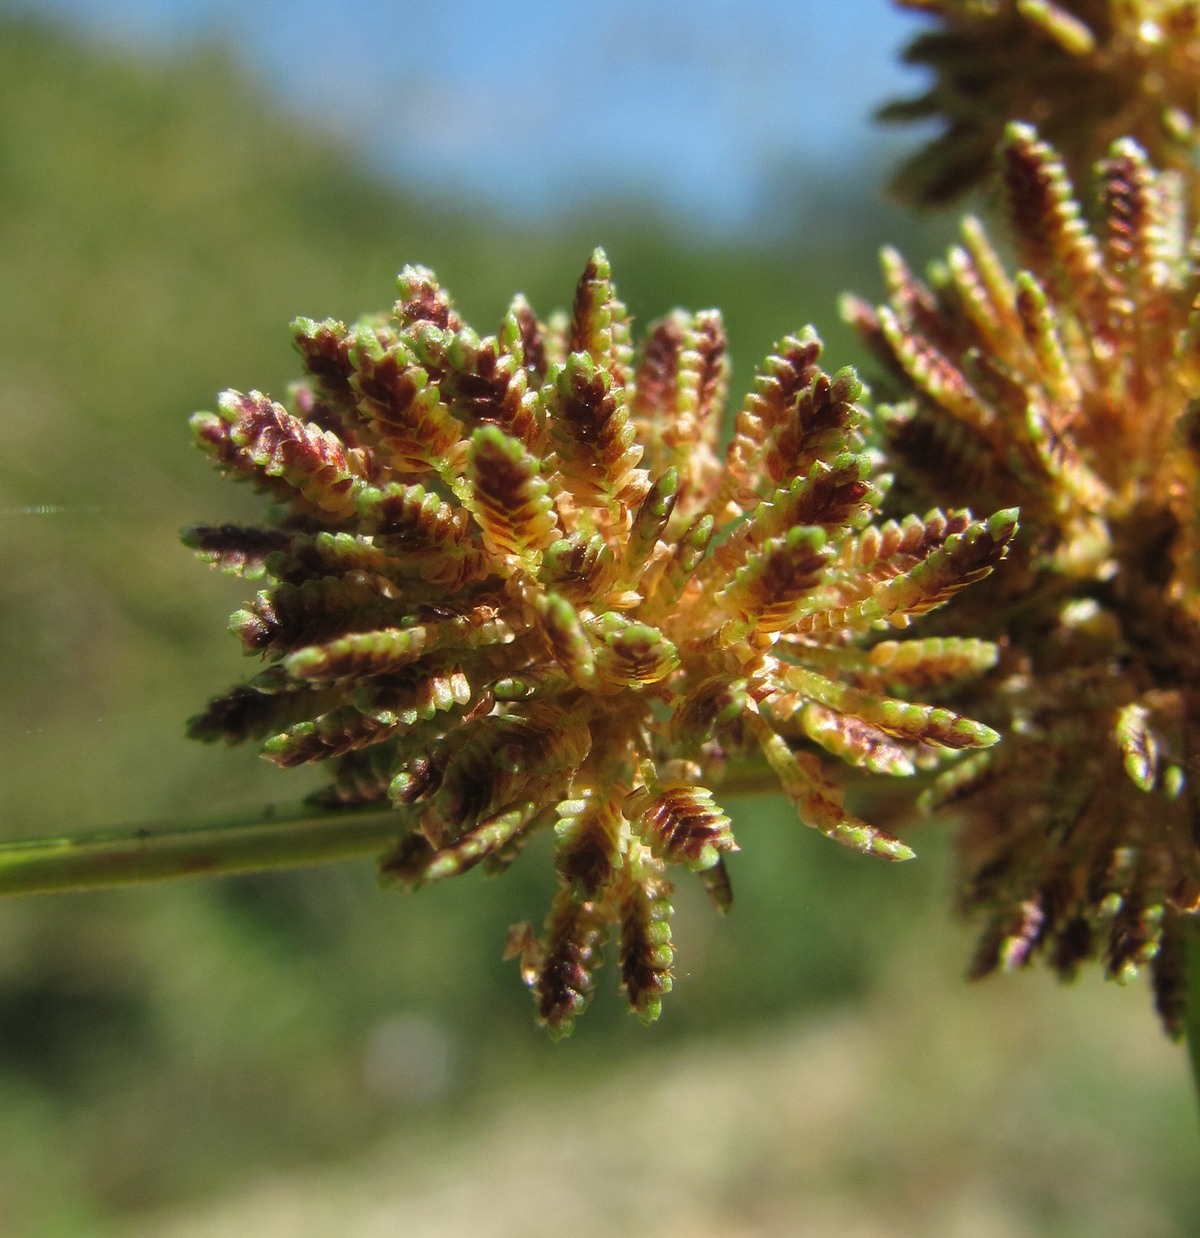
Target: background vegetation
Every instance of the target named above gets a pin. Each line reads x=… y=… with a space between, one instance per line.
x=297 y=1054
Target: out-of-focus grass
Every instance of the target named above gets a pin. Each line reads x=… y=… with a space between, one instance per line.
x=1023 y=1111
x=159 y=227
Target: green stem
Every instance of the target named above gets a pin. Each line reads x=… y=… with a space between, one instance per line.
x=211 y=848
x=208 y=849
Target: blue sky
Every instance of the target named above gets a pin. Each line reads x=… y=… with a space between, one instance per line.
x=696 y=105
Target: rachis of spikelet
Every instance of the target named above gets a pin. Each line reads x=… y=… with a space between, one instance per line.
x=514 y=585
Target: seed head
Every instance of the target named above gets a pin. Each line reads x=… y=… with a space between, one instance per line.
x=511 y=584
x=1086 y=72
x=1070 y=388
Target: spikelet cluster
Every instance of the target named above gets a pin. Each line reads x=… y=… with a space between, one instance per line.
x=1071 y=387
x=511 y=584
x=1085 y=72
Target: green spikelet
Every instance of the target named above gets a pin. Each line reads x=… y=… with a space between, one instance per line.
x=599 y=324
x=328 y=735
x=770 y=588
x=579 y=567
x=590 y=842
x=777 y=387
x=592 y=434
x=477 y=843
x=816 y=803
x=509 y=498
x=404 y=409
x=857 y=742
x=630 y=653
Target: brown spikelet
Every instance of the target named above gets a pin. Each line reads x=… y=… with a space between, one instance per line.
x=592 y=435
x=1048 y=224
x=494 y=761
x=768 y=589
x=524 y=338
x=487 y=383
x=245 y=713
x=325 y=350
x=646 y=951
x=235 y=548
x=422 y=300
x=559 y=969
x=510 y=500
x=712 y=704
x=658 y=370
x=681 y=824
x=359 y=778
x=1169 y=973
x=317 y=609
x=589 y=848
x=1128 y=210
x=832 y=496
x=325 y=476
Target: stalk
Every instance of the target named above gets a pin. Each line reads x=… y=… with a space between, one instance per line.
x=205 y=849
x=216 y=847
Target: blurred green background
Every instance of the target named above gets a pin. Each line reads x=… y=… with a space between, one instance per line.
x=299 y=1054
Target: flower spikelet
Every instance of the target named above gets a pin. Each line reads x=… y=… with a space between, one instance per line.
x=1086 y=72
x=510 y=583
x=1069 y=388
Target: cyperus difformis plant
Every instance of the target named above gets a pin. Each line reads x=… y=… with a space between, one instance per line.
x=1073 y=388
x=513 y=585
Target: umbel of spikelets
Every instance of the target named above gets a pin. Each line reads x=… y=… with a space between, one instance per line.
x=1086 y=72
x=512 y=585
x=1071 y=388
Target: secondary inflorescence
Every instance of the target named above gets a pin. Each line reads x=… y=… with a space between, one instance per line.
x=1071 y=387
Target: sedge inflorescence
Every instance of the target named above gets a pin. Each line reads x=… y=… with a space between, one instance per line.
x=1085 y=72
x=511 y=583
x=1071 y=387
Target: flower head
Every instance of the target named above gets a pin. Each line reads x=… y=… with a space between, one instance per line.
x=513 y=585
x=1085 y=72
x=1072 y=389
